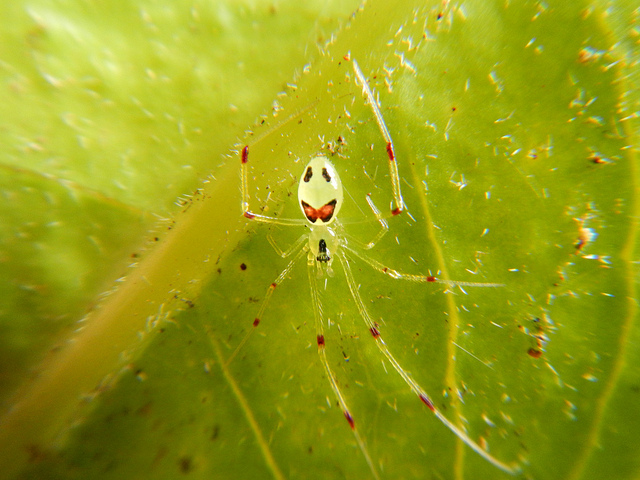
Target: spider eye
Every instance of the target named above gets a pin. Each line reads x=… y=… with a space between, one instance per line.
x=323 y=252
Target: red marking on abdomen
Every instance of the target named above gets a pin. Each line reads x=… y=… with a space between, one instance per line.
x=427 y=402
x=396 y=211
x=321 y=341
x=374 y=331
x=431 y=279
x=392 y=156
x=249 y=215
x=349 y=418
x=256 y=322
x=324 y=213
x=245 y=154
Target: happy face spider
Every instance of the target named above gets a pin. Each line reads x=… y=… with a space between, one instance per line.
x=320 y=198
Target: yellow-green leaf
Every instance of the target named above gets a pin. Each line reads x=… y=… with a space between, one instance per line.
x=515 y=129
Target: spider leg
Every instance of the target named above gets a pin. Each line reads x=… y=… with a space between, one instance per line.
x=383 y=224
x=281 y=278
x=380 y=267
x=384 y=228
x=393 y=164
x=285 y=253
x=245 y=198
x=317 y=310
x=415 y=387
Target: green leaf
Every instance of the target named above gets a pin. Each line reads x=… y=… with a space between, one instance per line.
x=516 y=132
x=109 y=113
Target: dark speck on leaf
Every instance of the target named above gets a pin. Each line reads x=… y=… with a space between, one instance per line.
x=185 y=464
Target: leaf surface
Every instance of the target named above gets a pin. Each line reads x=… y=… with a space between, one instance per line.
x=515 y=130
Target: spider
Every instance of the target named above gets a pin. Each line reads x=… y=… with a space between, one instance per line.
x=320 y=197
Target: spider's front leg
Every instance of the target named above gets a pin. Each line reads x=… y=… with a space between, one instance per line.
x=424 y=397
x=314 y=270
x=265 y=302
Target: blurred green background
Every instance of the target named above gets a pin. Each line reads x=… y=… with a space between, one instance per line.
x=516 y=131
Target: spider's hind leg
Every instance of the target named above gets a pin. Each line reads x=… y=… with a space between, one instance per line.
x=244 y=203
x=393 y=164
